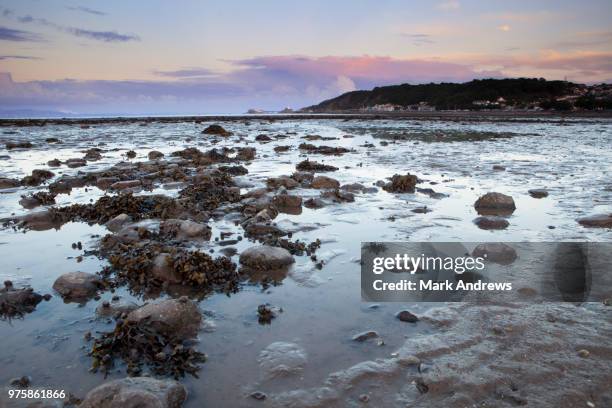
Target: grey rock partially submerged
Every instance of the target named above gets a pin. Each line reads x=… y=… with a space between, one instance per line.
x=266 y=257
x=141 y=392
x=491 y=223
x=77 y=285
x=172 y=317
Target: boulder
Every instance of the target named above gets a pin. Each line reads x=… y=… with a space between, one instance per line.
x=266 y=257
x=155 y=155
x=185 y=229
x=491 y=222
x=6 y=182
x=401 y=184
x=75 y=162
x=216 y=130
x=117 y=223
x=286 y=203
x=495 y=204
x=283 y=181
x=179 y=318
x=321 y=182
x=164 y=270
x=596 y=221
x=132 y=392
x=406 y=316
x=497 y=252
x=77 y=285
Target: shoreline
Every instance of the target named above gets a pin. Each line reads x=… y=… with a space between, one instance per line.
x=503 y=116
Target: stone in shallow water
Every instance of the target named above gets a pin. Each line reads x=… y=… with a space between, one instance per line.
x=495 y=204
x=367 y=335
x=264 y=257
x=491 y=222
x=497 y=252
x=140 y=392
x=282 y=358
x=321 y=182
x=538 y=193
x=172 y=317
x=77 y=285
x=407 y=316
x=598 y=220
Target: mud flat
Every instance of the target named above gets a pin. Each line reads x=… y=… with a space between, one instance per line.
x=220 y=257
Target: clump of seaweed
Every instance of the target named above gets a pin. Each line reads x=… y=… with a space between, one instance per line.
x=137 y=343
x=296 y=247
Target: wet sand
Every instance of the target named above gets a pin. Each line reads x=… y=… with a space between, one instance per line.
x=502 y=354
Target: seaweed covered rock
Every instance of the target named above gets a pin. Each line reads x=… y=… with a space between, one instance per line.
x=274 y=183
x=312 y=166
x=265 y=256
x=6 y=182
x=495 y=204
x=185 y=229
x=327 y=150
x=77 y=285
x=287 y=203
x=142 y=392
x=37 y=177
x=17 y=302
x=216 y=130
x=172 y=317
x=401 y=184
x=37 y=199
x=155 y=155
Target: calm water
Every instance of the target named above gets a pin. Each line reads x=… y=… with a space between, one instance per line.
x=322 y=308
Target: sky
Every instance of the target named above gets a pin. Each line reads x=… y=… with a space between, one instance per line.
x=205 y=57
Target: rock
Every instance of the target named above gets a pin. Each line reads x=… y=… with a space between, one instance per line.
x=367 y=335
x=266 y=312
x=130 y=154
x=314 y=203
x=538 y=193
x=495 y=204
x=258 y=395
x=312 y=166
x=77 y=285
x=37 y=177
x=597 y=221
x=6 y=182
x=21 y=382
x=216 y=130
x=74 y=163
x=18 y=145
x=303 y=177
x=54 y=163
x=93 y=154
x=115 y=307
x=141 y=392
x=497 y=252
x=281 y=358
x=497 y=167
x=266 y=257
x=258 y=229
x=104 y=183
x=263 y=138
x=155 y=155
x=583 y=353
x=185 y=229
x=163 y=269
x=39 y=221
x=406 y=316
x=246 y=153
x=337 y=196
x=401 y=184
x=321 y=182
x=14 y=302
x=491 y=222
x=122 y=185
x=172 y=317
x=289 y=204
x=117 y=223
x=353 y=188
x=283 y=181
x=36 y=199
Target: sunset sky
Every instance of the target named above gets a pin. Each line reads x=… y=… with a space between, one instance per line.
x=197 y=57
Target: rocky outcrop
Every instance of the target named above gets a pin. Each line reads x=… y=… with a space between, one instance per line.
x=141 y=392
